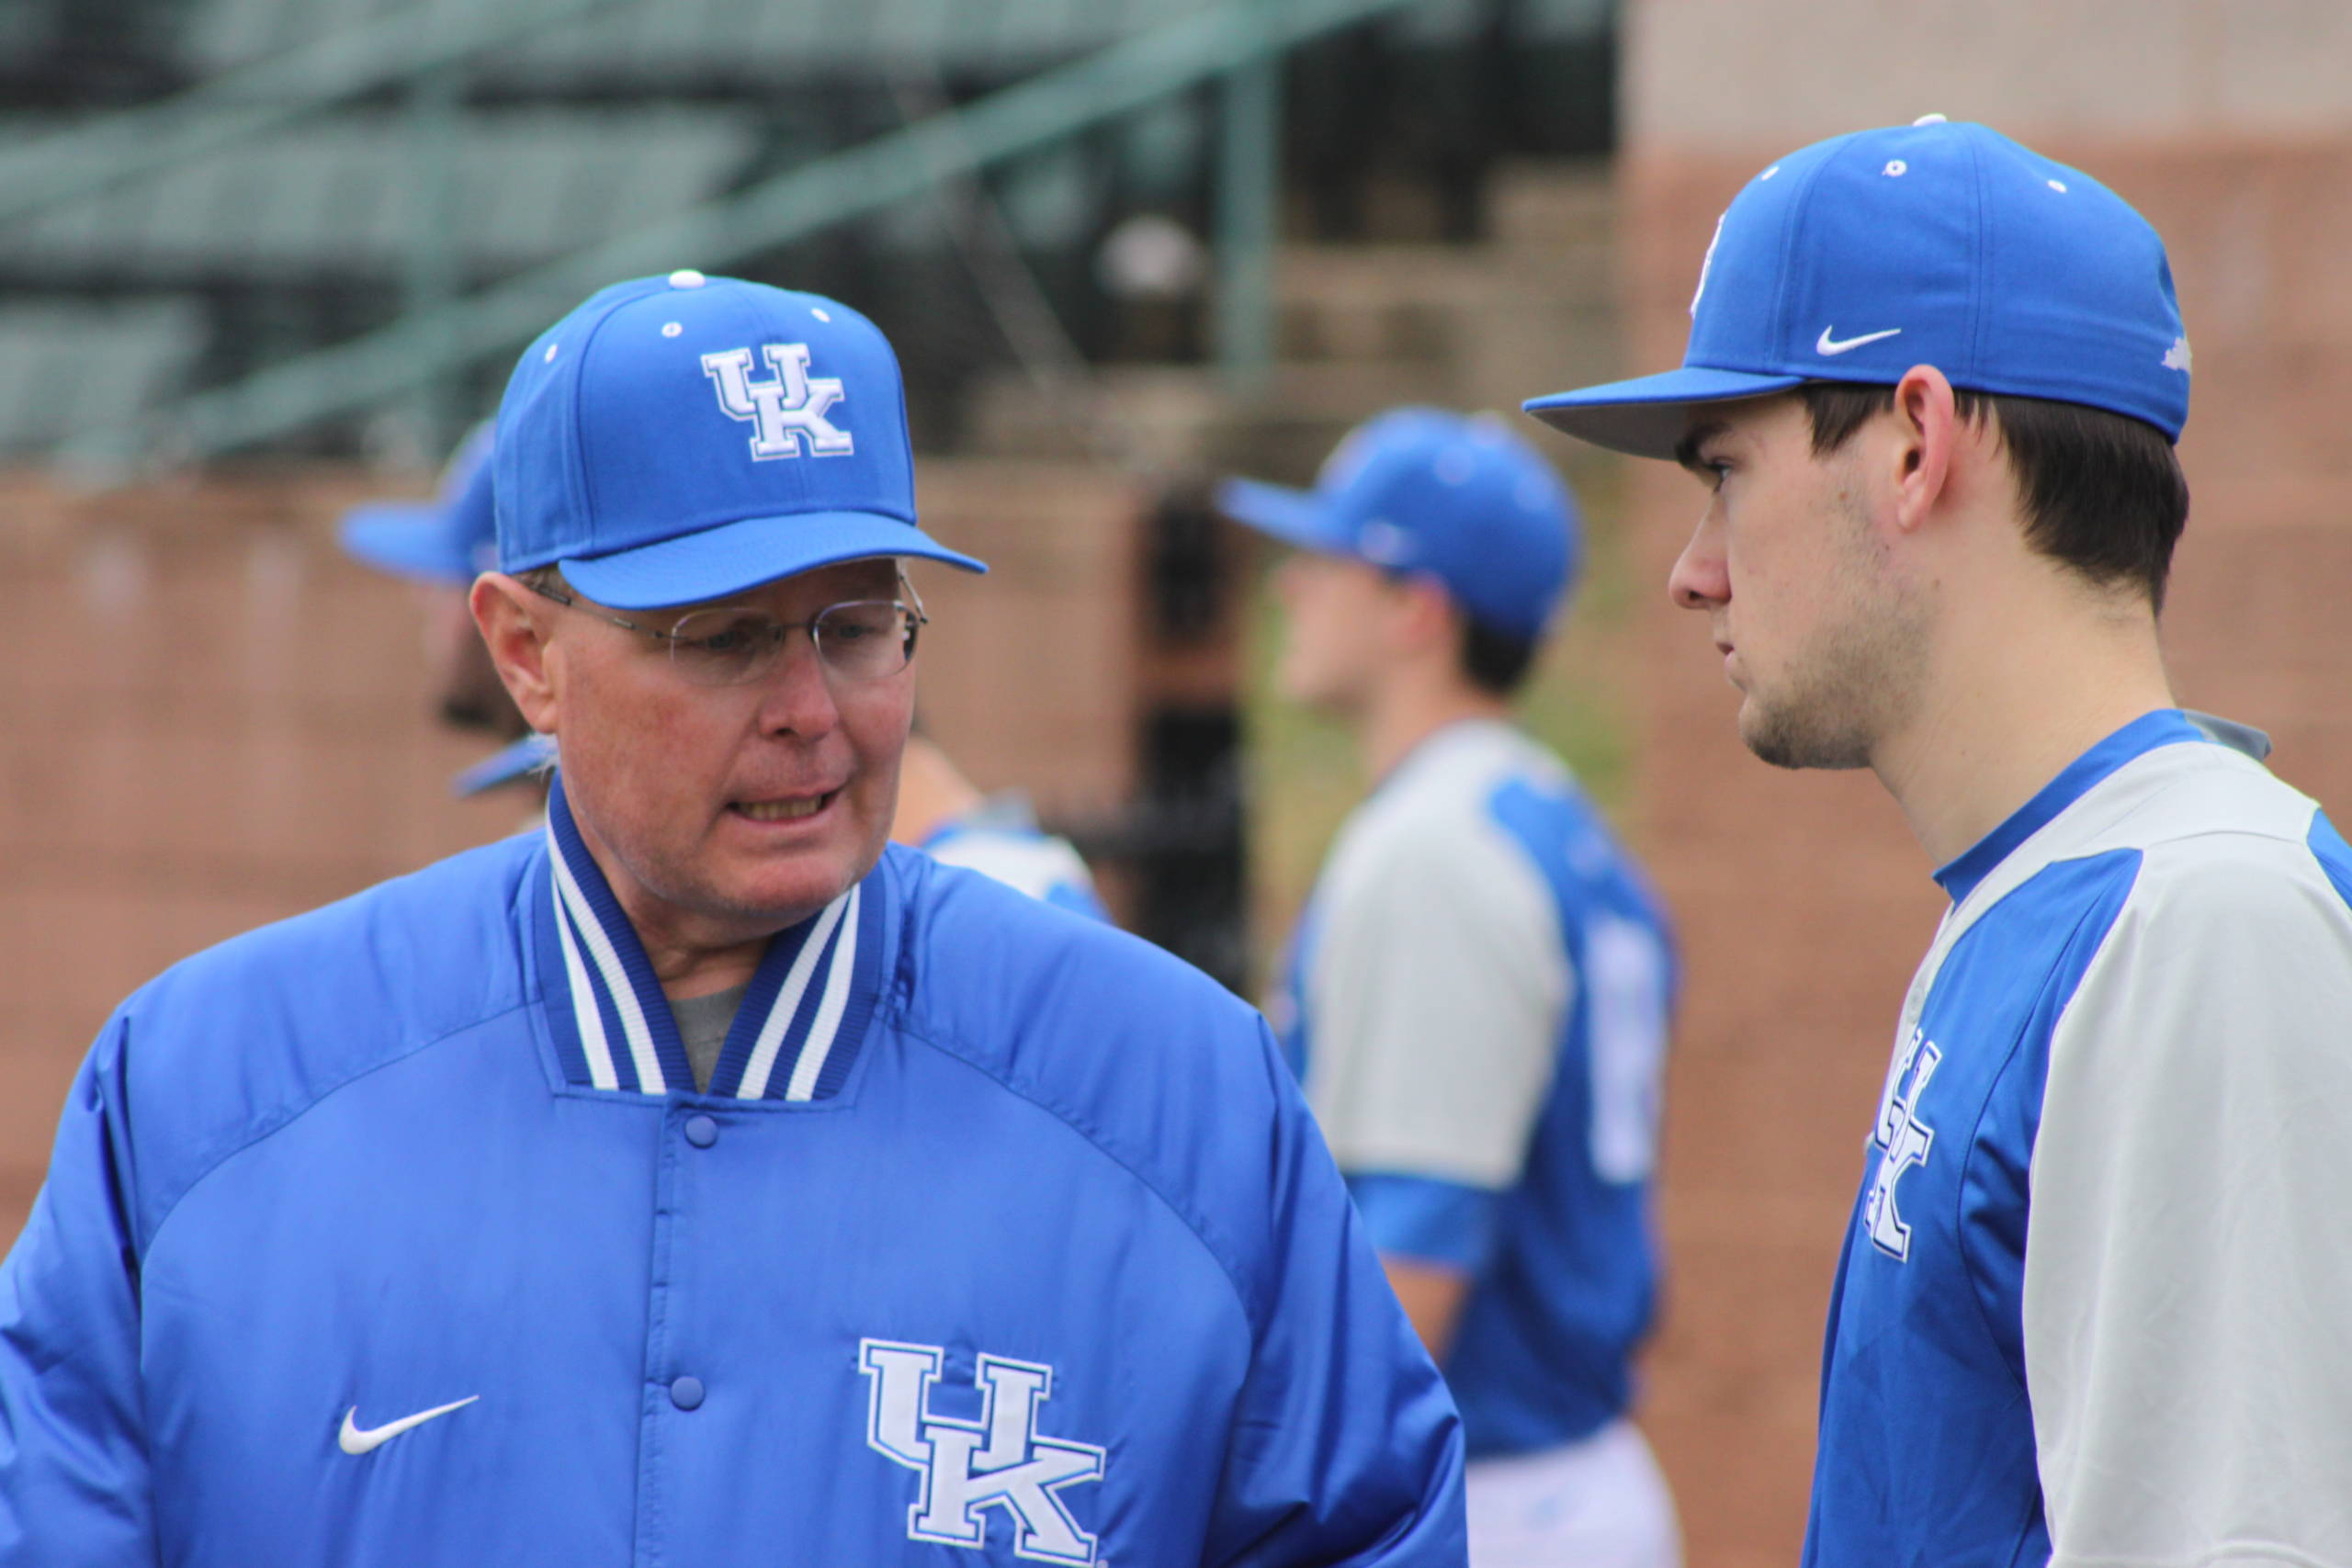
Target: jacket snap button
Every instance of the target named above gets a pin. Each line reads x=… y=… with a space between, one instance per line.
x=686 y=1392
x=701 y=1131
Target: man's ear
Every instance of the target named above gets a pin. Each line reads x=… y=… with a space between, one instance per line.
x=515 y=629
x=1928 y=429
x=1426 y=616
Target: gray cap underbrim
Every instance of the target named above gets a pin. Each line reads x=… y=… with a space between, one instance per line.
x=1648 y=416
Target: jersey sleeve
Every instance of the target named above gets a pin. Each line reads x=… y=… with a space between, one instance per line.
x=1345 y=1450
x=1436 y=993
x=73 y=1469
x=2188 y=1293
x=1041 y=866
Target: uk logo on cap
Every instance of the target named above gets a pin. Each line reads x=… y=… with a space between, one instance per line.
x=784 y=412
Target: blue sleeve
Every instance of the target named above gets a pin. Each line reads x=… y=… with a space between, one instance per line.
x=1079 y=899
x=1426 y=1219
x=1346 y=1451
x=73 y=1471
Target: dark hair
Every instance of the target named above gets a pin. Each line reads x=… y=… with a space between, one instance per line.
x=1497 y=662
x=2103 y=492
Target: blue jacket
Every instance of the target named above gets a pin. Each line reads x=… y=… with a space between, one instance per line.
x=999 y=1231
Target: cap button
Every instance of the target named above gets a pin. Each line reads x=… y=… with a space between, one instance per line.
x=1930 y=120
x=687 y=277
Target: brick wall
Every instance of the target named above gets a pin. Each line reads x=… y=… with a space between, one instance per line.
x=1802 y=899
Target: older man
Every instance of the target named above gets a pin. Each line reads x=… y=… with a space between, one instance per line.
x=411 y=1232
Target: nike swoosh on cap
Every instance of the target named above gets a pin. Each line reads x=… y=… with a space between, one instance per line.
x=356 y=1439
x=1827 y=345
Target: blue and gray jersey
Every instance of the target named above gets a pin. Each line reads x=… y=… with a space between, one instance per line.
x=1477 y=1002
x=2093 y=1306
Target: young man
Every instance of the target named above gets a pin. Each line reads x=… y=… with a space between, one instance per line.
x=408 y=1232
x=2094 y=1296
x=1479 y=990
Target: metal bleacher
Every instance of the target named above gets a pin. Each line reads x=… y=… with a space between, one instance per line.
x=701 y=46
x=339 y=197
x=66 y=366
x=256 y=216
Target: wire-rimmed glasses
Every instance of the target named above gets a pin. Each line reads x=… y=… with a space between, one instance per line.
x=732 y=645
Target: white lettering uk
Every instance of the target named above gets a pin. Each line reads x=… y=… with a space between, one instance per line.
x=785 y=412
x=998 y=1461
x=1904 y=1141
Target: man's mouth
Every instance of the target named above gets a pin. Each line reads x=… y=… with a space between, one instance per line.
x=790 y=809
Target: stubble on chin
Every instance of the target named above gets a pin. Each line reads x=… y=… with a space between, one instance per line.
x=1807 y=730
x=1851 y=687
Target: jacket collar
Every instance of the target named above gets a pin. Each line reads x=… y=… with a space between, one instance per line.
x=796 y=1035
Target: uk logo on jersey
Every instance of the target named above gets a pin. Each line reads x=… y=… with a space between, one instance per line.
x=1902 y=1140
x=997 y=1460
x=785 y=411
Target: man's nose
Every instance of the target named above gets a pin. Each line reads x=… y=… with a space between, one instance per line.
x=1699 y=580
x=796 y=697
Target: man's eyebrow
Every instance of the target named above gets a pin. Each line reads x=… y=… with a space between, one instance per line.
x=1685 y=451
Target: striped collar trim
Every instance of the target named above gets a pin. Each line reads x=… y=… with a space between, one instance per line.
x=796 y=1035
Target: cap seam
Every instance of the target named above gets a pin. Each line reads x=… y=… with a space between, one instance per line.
x=1979 y=288
x=906 y=423
x=1787 y=362
x=582 y=479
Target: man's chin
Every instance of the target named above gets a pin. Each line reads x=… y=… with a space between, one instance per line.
x=1786 y=739
x=1328 y=699
x=791 y=888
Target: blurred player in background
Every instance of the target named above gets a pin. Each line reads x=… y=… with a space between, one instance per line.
x=943 y=814
x=442 y=546
x=2096 y=1301
x=1479 y=990
x=413 y=1231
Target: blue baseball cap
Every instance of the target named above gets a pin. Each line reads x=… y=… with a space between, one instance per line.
x=683 y=438
x=452 y=538
x=1420 y=489
x=1932 y=243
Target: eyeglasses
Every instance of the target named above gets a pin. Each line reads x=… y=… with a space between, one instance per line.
x=732 y=645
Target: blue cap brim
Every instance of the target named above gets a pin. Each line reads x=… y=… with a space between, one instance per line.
x=521 y=760
x=1294 y=517
x=714 y=562
x=406 y=538
x=1649 y=415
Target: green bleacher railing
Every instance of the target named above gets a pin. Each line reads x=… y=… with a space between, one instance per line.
x=252 y=101
x=1238 y=41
